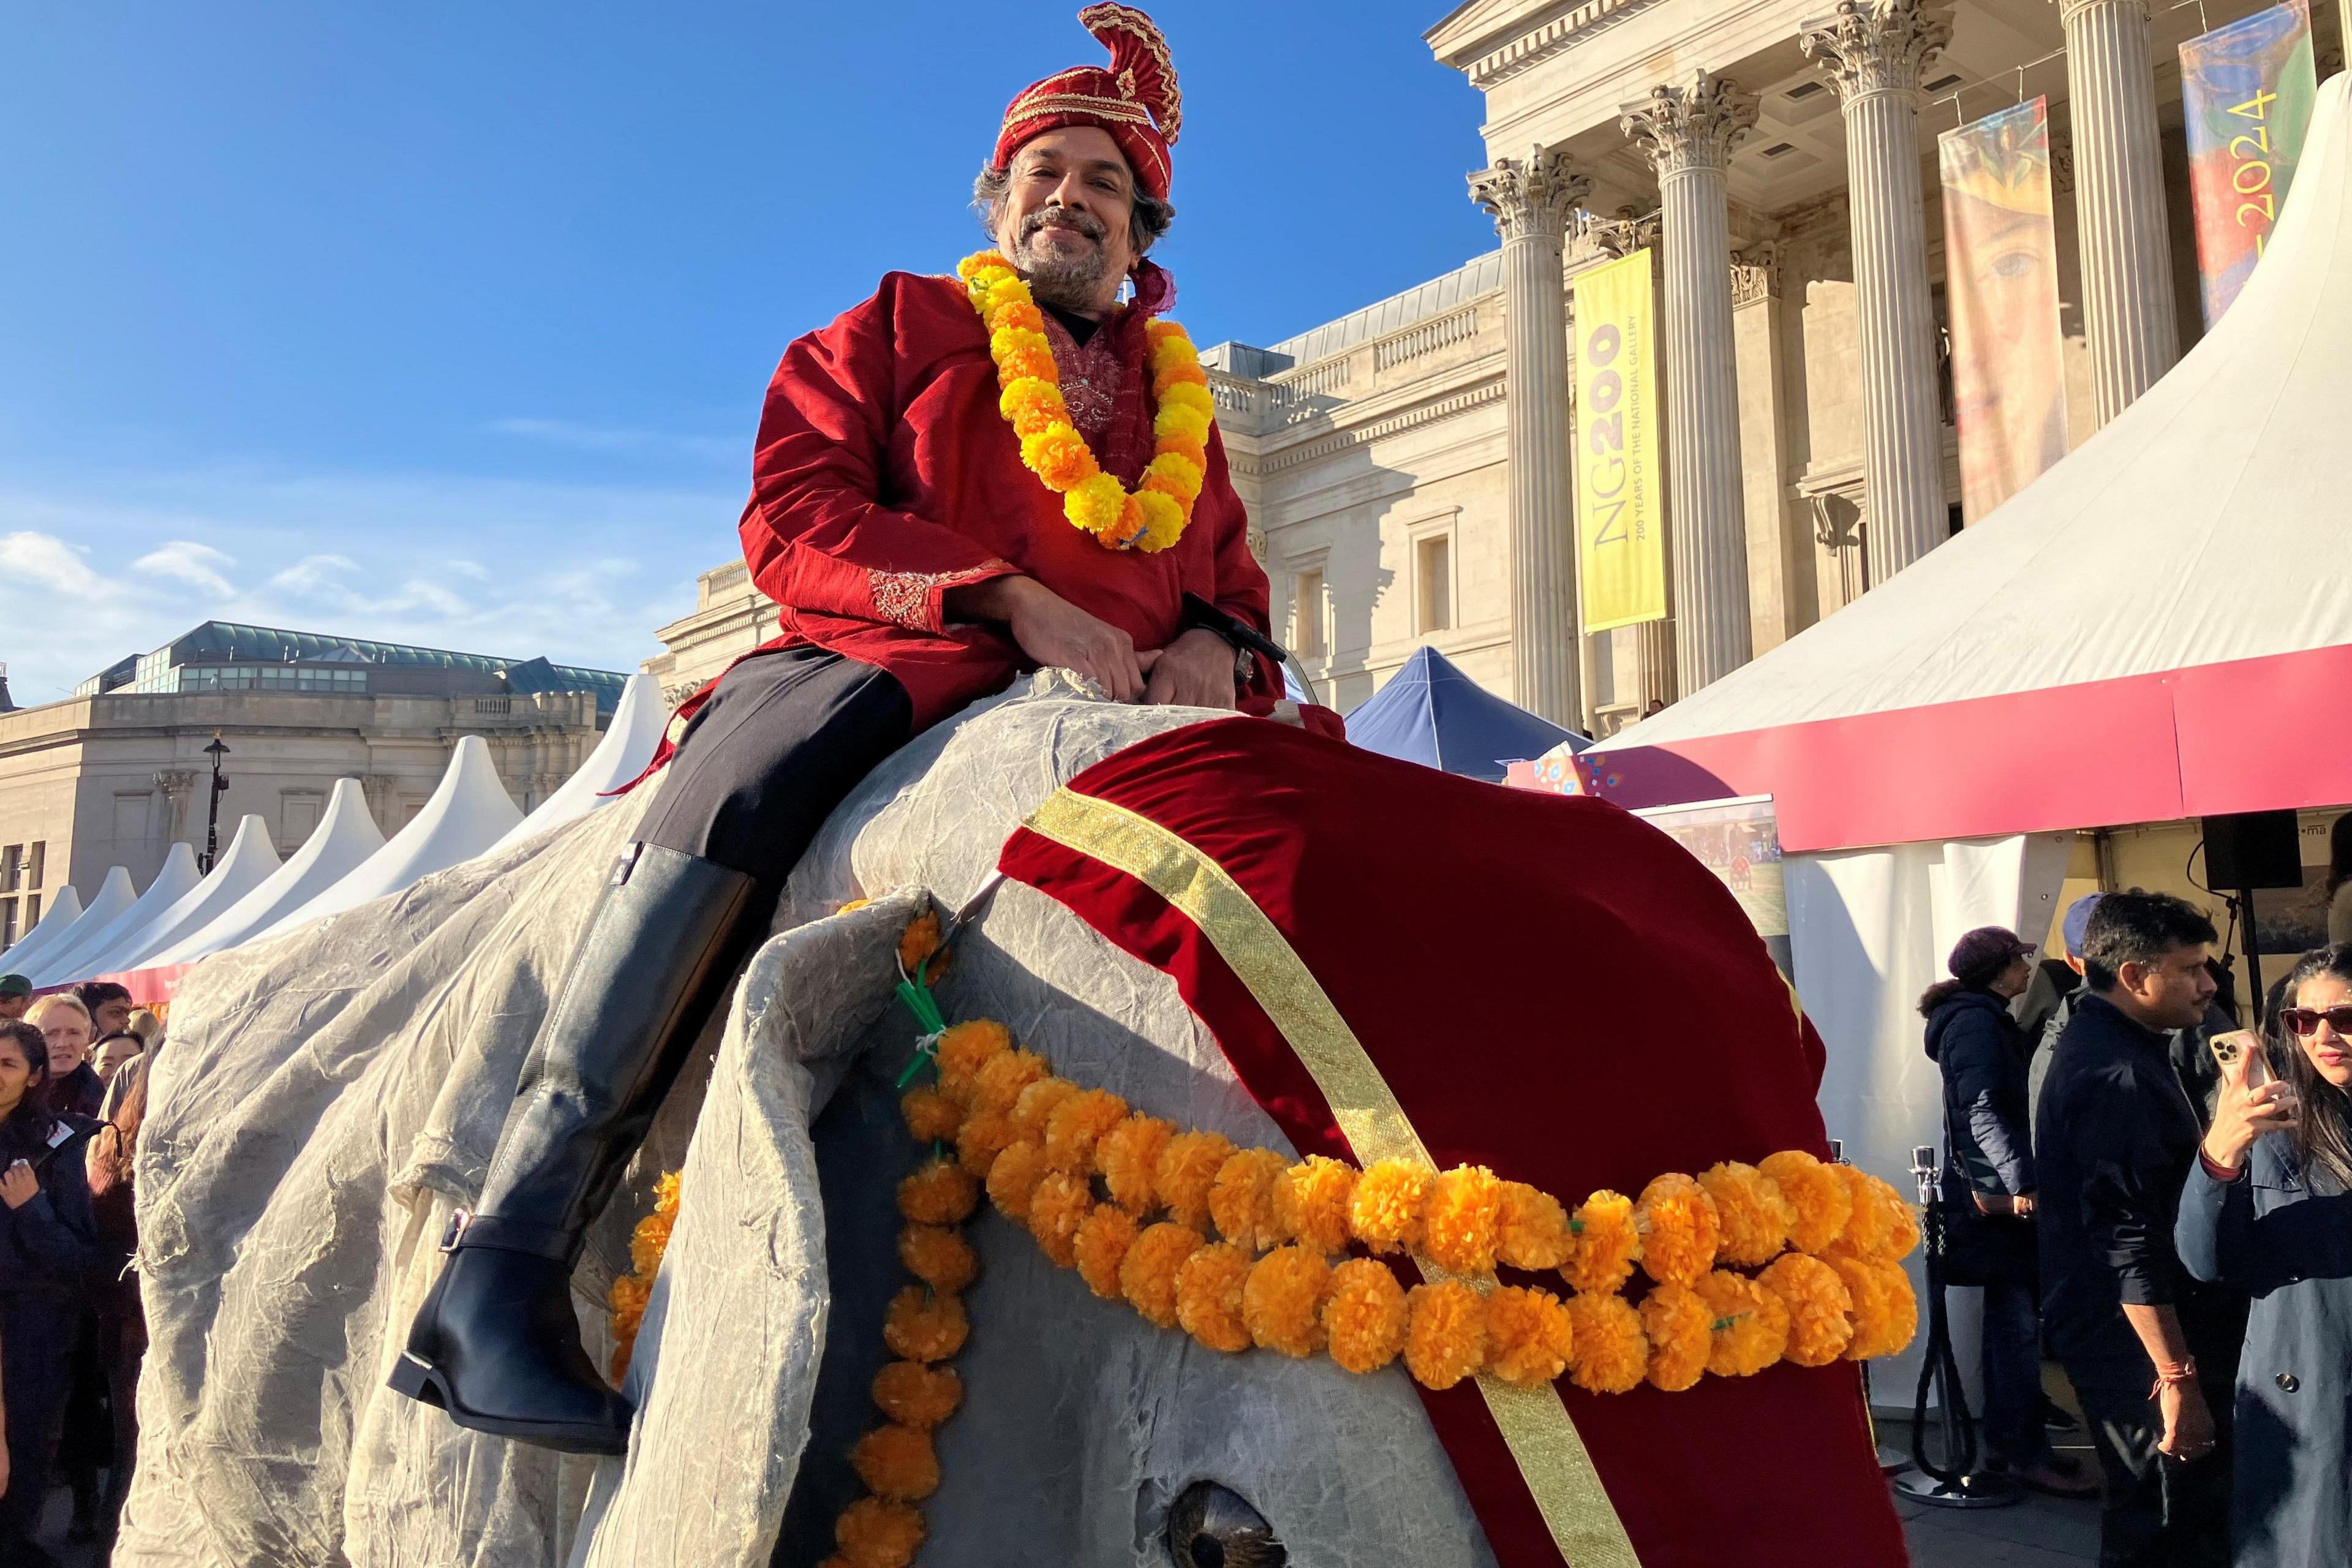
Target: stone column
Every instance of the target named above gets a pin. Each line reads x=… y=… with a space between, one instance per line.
x=1688 y=129
x=1530 y=200
x=1872 y=51
x=2127 y=305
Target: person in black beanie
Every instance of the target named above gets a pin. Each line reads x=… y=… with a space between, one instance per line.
x=1989 y=1192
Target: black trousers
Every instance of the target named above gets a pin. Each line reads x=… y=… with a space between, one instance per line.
x=2155 y=1511
x=784 y=738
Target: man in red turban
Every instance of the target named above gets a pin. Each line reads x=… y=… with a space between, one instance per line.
x=954 y=481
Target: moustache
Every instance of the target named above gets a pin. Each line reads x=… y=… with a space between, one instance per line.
x=1062 y=218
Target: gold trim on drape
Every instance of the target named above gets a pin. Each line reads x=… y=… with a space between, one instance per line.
x=1553 y=1457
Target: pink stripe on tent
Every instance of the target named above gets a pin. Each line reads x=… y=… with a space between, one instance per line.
x=2240 y=736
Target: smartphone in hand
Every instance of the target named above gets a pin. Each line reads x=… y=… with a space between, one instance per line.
x=2227 y=1048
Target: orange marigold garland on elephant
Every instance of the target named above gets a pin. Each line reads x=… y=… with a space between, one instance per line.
x=632 y=1291
x=1156 y=514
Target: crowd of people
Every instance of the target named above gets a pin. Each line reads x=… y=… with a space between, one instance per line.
x=2164 y=1200
x=73 y=1091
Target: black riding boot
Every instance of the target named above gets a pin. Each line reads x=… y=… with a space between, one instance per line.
x=497 y=1343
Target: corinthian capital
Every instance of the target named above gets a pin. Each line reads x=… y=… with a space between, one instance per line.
x=1691 y=125
x=1868 y=47
x=1529 y=197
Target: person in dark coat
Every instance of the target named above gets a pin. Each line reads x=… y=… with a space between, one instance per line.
x=2268 y=1209
x=2152 y=1353
x=107 y=1162
x=47 y=1248
x=1989 y=1192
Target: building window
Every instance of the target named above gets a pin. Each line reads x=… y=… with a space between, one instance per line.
x=1432 y=579
x=12 y=868
x=299 y=811
x=32 y=910
x=7 y=923
x=1307 y=613
x=36 y=857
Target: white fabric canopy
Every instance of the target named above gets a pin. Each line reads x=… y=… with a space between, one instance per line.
x=115 y=895
x=469 y=812
x=345 y=836
x=249 y=859
x=84 y=956
x=629 y=743
x=65 y=909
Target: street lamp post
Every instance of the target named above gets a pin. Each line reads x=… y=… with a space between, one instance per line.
x=211 y=811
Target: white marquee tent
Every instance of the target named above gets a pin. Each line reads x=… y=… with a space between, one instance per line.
x=629 y=743
x=249 y=859
x=346 y=835
x=64 y=909
x=86 y=955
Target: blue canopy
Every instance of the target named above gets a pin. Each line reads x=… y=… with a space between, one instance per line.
x=1430 y=712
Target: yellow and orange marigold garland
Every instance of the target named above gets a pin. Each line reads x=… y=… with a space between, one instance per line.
x=1156 y=514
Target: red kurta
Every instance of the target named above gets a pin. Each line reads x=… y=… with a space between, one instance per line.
x=885 y=475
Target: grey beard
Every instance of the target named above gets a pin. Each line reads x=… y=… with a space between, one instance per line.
x=1072 y=283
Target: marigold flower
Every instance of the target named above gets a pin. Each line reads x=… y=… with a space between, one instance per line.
x=1885 y=1313
x=1179 y=419
x=1128 y=1156
x=1364 y=1315
x=1013 y=1179
x=1753 y=1215
x=1101 y=1248
x=1195 y=452
x=1166 y=376
x=1186 y=1168
x=938 y=1256
x=982 y=261
x=931 y=1116
x=1147 y=1275
x=1608 y=1353
x=1532 y=1230
x=1035 y=1106
x=1749 y=1327
x=984 y=1135
x=965 y=1048
x=1129 y=528
x=1460 y=1217
x=1169 y=351
x=648 y=1240
x=923 y=1325
x=1445 y=1341
x=1821 y=1323
x=1679 y=1230
x=1030 y=405
x=1017 y=313
x=1004 y=342
x=917 y=1395
x=1241 y=1201
x=1059 y=457
x=1026 y=365
x=1060 y=1203
x=997 y=1084
x=1175 y=475
x=1607 y=1243
x=1209 y=1297
x=1195 y=395
x=1310 y=1203
x=1530 y=1336
x=921 y=940
x=1075 y=1126
x=897 y=1462
x=1095 y=505
x=938 y=1192
x=1163 y=521
x=1819 y=1205
x=1384 y=1211
x=1282 y=1301
x=874 y=1532
x=1160 y=327
x=1681 y=1331
x=1882 y=1227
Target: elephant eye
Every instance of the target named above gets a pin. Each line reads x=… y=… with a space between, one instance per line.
x=1211 y=1527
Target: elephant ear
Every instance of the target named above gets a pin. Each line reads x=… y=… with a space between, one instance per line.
x=728 y=1350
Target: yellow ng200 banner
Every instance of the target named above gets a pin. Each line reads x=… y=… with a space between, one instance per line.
x=1620 y=525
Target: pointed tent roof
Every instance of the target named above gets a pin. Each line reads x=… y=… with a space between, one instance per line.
x=1431 y=713
x=248 y=860
x=345 y=836
x=85 y=957
x=2142 y=635
x=56 y=921
x=629 y=743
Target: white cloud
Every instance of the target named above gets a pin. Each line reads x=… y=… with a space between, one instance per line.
x=185 y=561
x=45 y=562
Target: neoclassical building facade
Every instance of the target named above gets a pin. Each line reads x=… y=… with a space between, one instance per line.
x=1409 y=466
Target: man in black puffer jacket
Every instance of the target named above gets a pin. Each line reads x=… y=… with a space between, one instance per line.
x=1988 y=1191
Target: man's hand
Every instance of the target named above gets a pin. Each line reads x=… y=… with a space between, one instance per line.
x=2188 y=1423
x=1196 y=670
x=1055 y=632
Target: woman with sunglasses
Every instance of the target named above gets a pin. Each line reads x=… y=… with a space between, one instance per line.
x=2268 y=1209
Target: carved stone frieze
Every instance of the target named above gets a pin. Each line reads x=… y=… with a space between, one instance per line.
x=1756 y=273
x=1597 y=238
x=1868 y=47
x=1690 y=124
x=1531 y=197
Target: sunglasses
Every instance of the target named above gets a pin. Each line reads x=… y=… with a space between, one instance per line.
x=2306 y=1021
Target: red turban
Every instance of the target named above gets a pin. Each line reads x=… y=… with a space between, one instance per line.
x=1135 y=100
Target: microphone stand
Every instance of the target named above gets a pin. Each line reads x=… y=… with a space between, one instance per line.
x=1958 y=1483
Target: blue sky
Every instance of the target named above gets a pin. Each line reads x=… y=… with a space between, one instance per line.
x=449 y=322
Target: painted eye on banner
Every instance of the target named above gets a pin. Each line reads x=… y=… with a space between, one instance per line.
x=1211 y=1527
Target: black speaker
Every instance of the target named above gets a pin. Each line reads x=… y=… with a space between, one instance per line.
x=2253 y=849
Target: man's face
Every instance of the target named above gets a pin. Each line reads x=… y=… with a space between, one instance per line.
x=68 y=1033
x=2171 y=993
x=14 y=1007
x=112 y=1017
x=1064 y=222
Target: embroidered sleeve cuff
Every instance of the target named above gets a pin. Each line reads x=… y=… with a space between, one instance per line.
x=918 y=600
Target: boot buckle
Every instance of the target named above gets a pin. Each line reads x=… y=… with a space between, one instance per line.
x=458 y=1220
